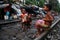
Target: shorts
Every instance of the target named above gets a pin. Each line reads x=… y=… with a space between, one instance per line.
x=28 y=24
x=38 y=22
x=25 y=24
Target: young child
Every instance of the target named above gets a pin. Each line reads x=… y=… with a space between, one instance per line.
x=23 y=19
x=46 y=21
x=29 y=20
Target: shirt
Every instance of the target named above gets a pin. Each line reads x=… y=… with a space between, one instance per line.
x=23 y=17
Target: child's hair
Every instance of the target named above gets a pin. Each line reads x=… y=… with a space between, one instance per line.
x=48 y=6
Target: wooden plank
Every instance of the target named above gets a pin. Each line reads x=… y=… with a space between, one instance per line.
x=5 y=22
x=54 y=23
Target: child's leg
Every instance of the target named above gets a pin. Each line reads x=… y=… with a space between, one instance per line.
x=28 y=26
x=23 y=26
x=37 y=34
x=38 y=29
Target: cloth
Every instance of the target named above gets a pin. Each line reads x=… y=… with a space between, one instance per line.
x=38 y=22
x=23 y=17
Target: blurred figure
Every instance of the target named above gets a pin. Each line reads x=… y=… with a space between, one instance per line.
x=7 y=12
x=6 y=17
x=44 y=24
x=29 y=20
x=23 y=19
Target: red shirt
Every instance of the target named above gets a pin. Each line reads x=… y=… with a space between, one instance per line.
x=23 y=17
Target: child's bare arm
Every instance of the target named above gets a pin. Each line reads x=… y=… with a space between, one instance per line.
x=48 y=17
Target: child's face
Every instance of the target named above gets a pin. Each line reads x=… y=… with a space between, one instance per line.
x=45 y=8
x=23 y=11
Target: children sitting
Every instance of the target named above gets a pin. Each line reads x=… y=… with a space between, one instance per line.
x=46 y=21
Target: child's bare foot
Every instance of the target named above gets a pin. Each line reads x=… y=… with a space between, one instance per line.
x=38 y=34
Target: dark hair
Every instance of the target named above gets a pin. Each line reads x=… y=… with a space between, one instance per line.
x=49 y=6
